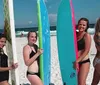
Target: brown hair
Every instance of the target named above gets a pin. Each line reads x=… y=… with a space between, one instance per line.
x=85 y=19
x=30 y=33
x=2 y=35
x=97 y=26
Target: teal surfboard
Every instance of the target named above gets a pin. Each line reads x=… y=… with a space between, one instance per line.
x=9 y=30
x=66 y=43
x=44 y=41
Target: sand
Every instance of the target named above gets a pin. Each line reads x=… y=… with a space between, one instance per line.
x=55 y=71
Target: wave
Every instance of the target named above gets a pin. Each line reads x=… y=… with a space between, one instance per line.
x=52 y=33
x=24 y=33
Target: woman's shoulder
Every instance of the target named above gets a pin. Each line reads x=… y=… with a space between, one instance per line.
x=87 y=35
x=26 y=47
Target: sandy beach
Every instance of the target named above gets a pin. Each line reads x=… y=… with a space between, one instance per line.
x=55 y=71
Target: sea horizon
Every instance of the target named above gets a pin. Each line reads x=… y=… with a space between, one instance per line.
x=24 y=30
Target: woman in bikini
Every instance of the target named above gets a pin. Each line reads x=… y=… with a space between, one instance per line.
x=96 y=62
x=31 y=55
x=84 y=43
x=4 y=68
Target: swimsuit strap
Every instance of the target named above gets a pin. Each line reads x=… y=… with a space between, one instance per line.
x=1 y=51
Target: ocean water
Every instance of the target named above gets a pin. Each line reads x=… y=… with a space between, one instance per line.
x=20 y=32
x=24 y=31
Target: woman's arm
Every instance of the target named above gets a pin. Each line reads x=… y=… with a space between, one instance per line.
x=5 y=68
x=98 y=41
x=13 y=66
x=26 y=52
x=87 y=38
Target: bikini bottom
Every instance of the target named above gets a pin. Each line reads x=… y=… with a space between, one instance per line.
x=4 y=76
x=33 y=73
x=84 y=61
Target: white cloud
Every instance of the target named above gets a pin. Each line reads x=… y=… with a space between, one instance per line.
x=30 y=22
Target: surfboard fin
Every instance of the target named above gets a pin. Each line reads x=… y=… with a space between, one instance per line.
x=64 y=83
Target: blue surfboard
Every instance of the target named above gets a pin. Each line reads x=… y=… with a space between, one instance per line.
x=66 y=44
x=44 y=41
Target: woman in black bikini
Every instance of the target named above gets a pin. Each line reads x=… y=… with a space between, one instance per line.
x=31 y=58
x=96 y=62
x=4 y=69
x=84 y=43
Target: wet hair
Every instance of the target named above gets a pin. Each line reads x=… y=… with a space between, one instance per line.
x=84 y=19
x=2 y=35
x=30 y=33
x=97 y=26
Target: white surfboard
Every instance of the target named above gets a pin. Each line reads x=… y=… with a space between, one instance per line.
x=9 y=30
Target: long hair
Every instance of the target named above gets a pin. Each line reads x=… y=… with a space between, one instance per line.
x=2 y=35
x=30 y=33
x=85 y=19
x=97 y=26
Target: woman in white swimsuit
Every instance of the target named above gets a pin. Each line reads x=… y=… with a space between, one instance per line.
x=96 y=62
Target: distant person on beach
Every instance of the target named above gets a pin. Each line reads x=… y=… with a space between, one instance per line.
x=84 y=43
x=31 y=54
x=96 y=62
x=22 y=35
x=4 y=68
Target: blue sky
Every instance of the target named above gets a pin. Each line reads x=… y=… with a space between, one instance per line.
x=25 y=11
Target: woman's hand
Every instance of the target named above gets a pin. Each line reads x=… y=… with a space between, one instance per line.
x=75 y=65
x=14 y=66
x=40 y=51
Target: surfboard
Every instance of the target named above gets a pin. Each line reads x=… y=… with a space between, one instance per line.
x=44 y=41
x=66 y=43
x=74 y=28
x=9 y=30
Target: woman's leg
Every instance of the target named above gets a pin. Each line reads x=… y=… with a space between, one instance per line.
x=34 y=80
x=96 y=76
x=83 y=72
x=4 y=83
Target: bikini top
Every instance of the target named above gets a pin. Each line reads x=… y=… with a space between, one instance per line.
x=81 y=43
x=33 y=53
x=3 y=60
